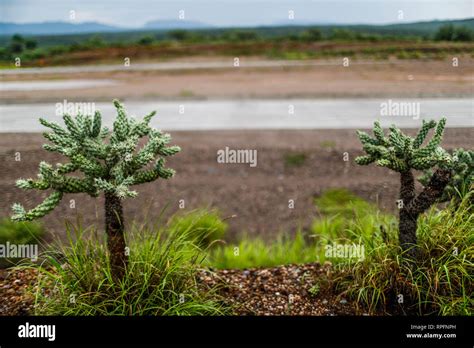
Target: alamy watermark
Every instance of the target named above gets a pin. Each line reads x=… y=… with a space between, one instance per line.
x=21 y=251
x=345 y=251
x=228 y=155
x=37 y=331
x=74 y=109
x=398 y=108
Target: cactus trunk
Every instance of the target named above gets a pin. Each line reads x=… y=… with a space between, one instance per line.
x=402 y=153
x=114 y=227
x=414 y=205
x=407 y=221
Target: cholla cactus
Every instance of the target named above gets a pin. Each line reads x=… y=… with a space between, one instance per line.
x=463 y=176
x=108 y=161
x=403 y=153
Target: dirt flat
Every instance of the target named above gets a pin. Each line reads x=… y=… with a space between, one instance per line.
x=328 y=78
x=258 y=196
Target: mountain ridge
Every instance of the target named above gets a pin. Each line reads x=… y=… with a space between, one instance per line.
x=66 y=28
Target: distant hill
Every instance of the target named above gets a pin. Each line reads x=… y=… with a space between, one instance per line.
x=65 y=28
x=55 y=28
x=175 y=24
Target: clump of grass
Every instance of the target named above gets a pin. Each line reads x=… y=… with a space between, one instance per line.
x=381 y=282
x=19 y=233
x=341 y=201
x=314 y=290
x=257 y=253
x=442 y=282
x=403 y=54
x=204 y=227
x=160 y=279
x=347 y=217
x=295 y=55
x=328 y=144
x=185 y=93
x=295 y=159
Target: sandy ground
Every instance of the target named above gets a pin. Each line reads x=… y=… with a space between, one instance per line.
x=258 y=197
x=385 y=78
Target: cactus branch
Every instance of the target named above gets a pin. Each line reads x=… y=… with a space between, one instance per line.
x=100 y=161
x=402 y=153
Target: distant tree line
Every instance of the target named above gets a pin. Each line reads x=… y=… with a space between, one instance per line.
x=18 y=44
x=28 y=48
x=450 y=32
x=447 y=32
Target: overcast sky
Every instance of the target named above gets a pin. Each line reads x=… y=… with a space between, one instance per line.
x=134 y=13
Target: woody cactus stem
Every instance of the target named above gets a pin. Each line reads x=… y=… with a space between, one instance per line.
x=114 y=227
x=413 y=206
x=106 y=161
x=402 y=154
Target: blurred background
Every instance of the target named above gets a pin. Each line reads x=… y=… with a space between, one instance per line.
x=290 y=79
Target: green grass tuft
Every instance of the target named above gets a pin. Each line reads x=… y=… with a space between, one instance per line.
x=328 y=144
x=204 y=227
x=160 y=279
x=440 y=283
x=19 y=233
x=348 y=218
x=257 y=253
x=342 y=201
x=295 y=159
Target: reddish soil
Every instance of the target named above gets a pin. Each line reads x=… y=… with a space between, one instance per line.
x=268 y=48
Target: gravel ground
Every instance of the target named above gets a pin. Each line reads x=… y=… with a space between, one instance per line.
x=283 y=290
x=13 y=298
